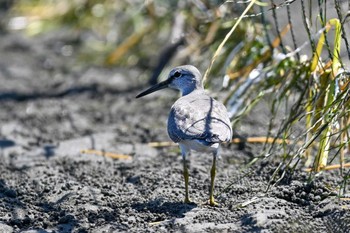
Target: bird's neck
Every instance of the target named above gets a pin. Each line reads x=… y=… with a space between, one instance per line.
x=190 y=89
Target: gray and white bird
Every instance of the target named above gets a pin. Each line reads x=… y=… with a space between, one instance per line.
x=196 y=120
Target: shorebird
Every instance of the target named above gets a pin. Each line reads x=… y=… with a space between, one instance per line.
x=196 y=120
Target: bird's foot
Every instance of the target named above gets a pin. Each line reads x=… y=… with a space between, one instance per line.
x=212 y=202
x=188 y=201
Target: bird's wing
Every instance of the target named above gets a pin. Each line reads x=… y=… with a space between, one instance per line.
x=199 y=117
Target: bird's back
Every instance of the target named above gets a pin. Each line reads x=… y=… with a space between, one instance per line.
x=197 y=116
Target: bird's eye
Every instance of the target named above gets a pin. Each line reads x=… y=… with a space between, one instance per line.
x=177 y=74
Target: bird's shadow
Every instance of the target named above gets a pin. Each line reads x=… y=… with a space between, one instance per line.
x=159 y=206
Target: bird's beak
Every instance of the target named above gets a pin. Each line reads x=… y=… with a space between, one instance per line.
x=154 y=88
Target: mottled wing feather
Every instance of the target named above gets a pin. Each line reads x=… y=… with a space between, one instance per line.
x=198 y=116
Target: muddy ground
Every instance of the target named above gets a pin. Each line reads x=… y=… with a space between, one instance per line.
x=52 y=107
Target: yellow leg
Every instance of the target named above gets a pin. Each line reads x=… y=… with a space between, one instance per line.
x=186 y=177
x=212 y=173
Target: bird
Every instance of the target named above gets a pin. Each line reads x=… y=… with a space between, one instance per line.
x=196 y=120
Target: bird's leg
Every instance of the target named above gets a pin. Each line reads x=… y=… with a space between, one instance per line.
x=212 y=174
x=186 y=177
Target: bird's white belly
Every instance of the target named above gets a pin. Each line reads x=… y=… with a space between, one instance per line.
x=198 y=146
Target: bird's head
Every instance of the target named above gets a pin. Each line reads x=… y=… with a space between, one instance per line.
x=183 y=78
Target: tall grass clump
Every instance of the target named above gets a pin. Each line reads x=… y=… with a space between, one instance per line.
x=316 y=92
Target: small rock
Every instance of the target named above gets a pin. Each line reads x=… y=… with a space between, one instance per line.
x=5 y=228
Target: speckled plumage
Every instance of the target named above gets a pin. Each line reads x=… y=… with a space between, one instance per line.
x=196 y=120
x=197 y=116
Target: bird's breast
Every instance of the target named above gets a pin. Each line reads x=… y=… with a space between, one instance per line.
x=198 y=117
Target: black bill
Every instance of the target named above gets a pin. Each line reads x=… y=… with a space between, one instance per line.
x=154 y=88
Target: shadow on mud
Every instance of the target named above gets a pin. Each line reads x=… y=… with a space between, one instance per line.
x=171 y=209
